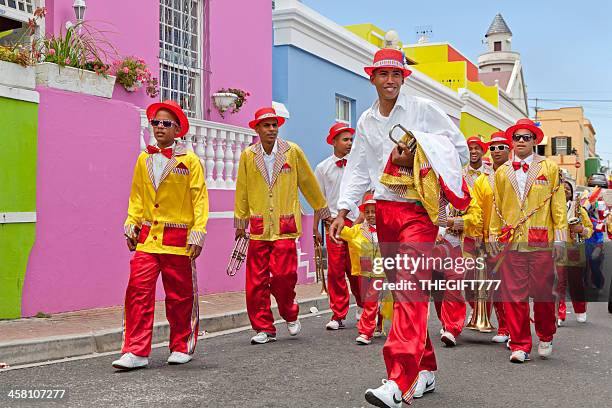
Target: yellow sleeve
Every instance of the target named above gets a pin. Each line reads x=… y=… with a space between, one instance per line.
x=558 y=208
x=472 y=220
x=586 y=224
x=309 y=186
x=350 y=234
x=241 y=203
x=135 y=206
x=496 y=222
x=199 y=200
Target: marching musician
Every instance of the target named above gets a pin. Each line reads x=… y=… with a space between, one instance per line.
x=270 y=173
x=477 y=165
x=572 y=270
x=500 y=147
x=411 y=189
x=329 y=175
x=530 y=224
x=166 y=226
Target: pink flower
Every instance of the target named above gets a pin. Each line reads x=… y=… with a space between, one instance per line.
x=51 y=52
x=138 y=71
x=126 y=70
x=67 y=61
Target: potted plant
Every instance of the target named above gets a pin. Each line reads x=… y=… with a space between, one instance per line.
x=132 y=73
x=73 y=61
x=225 y=99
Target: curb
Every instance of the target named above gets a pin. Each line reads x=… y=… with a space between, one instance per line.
x=59 y=347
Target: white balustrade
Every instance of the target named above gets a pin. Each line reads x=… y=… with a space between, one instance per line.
x=218 y=146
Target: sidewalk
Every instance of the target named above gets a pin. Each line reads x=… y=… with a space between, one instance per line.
x=83 y=332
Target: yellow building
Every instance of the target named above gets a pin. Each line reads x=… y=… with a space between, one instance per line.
x=570 y=138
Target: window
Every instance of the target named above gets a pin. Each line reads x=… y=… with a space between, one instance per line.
x=14 y=15
x=343 y=110
x=179 y=53
x=496 y=69
x=561 y=145
x=497 y=46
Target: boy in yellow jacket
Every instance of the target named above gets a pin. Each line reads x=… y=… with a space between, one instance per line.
x=269 y=175
x=166 y=225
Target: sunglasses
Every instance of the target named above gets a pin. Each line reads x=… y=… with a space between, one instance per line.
x=501 y=148
x=163 y=123
x=518 y=138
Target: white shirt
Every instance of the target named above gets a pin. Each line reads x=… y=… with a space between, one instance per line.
x=521 y=176
x=329 y=176
x=269 y=160
x=159 y=164
x=372 y=147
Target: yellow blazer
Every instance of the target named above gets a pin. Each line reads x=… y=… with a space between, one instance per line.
x=576 y=253
x=174 y=214
x=272 y=207
x=363 y=250
x=483 y=194
x=469 y=222
x=547 y=224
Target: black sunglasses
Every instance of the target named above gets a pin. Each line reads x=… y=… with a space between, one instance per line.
x=164 y=123
x=501 y=148
x=518 y=138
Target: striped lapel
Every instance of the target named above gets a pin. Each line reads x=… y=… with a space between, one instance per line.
x=179 y=150
x=512 y=178
x=149 y=163
x=534 y=169
x=281 y=158
x=259 y=161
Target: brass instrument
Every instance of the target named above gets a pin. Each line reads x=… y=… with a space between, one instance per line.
x=480 y=315
x=577 y=218
x=238 y=255
x=408 y=140
x=319 y=264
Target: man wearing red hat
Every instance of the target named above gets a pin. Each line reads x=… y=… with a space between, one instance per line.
x=500 y=147
x=409 y=207
x=329 y=175
x=530 y=214
x=477 y=165
x=166 y=225
x=270 y=173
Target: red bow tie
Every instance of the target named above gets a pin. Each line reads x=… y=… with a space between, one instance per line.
x=341 y=163
x=517 y=165
x=154 y=149
x=372 y=229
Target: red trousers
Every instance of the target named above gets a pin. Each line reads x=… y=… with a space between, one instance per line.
x=526 y=274
x=497 y=304
x=182 y=311
x=367 y=324
x=271 y=268
x=338 y=269
x=450 y=304
x=408 y=350
x=572 y=275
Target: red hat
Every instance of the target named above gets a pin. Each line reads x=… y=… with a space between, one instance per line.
x=266 y=113
x=174 y=108
x=388 y=58
x=336 y=129
x=526 y=124
x=478 y=140
x=368 y=199
x=500 y=137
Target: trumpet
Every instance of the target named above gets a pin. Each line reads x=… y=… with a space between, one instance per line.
x=319 y=265
x=238 y=255
x=480 y=316
x=408 y=140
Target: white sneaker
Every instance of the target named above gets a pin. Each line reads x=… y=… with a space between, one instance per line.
x=425 y=384
x=363 y=339
x=447 y=338
x=500 y=338
x=508 y=343
x=378 y=333
x=358 y=313
x=262 y=338
x=130 y=361
x=388 y=395
x=294 y=328
x=334 y=325
x=176 y=357
x=559 y=322
x=519 y=357
x=581 y=317
x=545 y=349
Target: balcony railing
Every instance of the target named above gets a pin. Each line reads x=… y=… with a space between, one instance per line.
x=218 y=145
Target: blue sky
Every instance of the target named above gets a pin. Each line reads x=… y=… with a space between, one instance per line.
x=565 y=46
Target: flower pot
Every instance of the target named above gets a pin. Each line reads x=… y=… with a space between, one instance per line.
x=224 y=100
x=74 y=80
x=16 y=76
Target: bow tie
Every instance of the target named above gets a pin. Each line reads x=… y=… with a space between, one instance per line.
x=372 y=229
x=154 y=149
x=341 y=163
x=517 y=165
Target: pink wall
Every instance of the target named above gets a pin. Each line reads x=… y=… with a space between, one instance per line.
x=241 y=54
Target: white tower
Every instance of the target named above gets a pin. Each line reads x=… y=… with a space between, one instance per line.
x=499 y=55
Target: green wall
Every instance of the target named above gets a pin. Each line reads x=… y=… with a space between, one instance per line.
x=18 y=141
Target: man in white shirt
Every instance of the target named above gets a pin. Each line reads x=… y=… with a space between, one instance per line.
x=477 y=166
x=404 y=216
x=329 y=175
